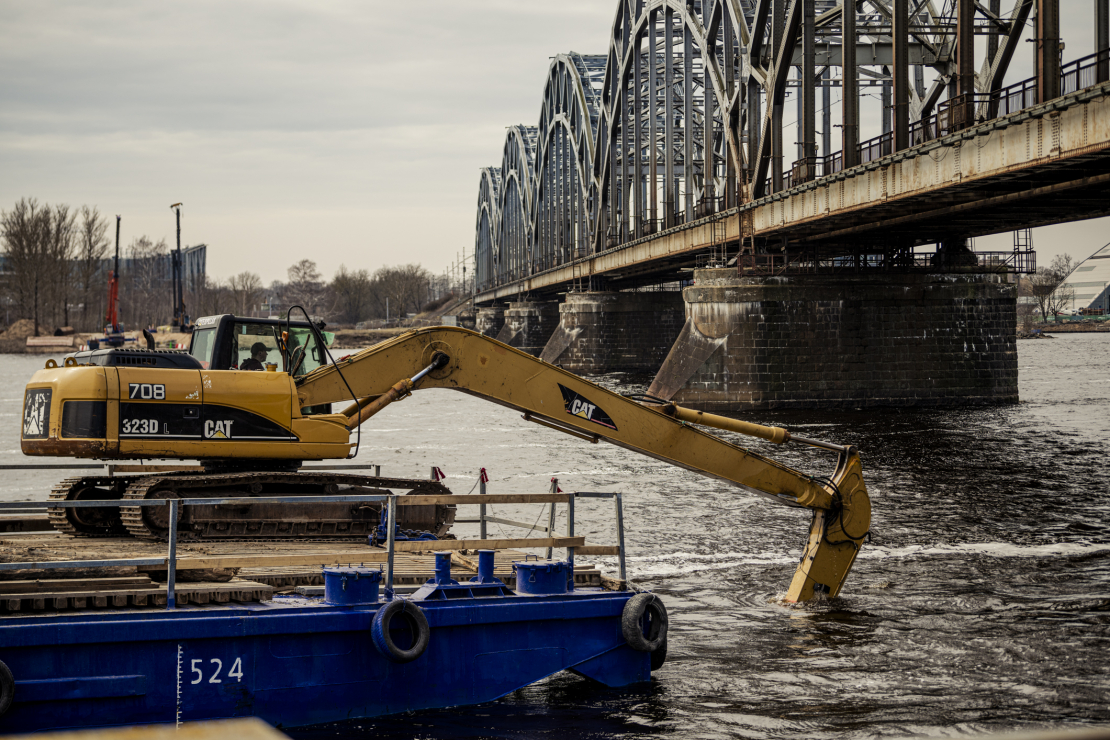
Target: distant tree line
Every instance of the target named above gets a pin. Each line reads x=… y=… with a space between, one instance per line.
x=350 y=297
x=57 y=264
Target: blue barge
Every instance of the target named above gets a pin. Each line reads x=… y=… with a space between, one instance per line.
x=360 y=651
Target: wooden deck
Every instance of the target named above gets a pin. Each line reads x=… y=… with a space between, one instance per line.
x=208 y=572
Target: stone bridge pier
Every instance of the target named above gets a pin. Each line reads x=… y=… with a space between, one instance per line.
x=489 y=319
x=604 y=332
x=591 y=333
x=528 y=325
x=843 y=341
x=467 y=319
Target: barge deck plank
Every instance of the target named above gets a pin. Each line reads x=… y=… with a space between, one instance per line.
x=95 y=593
x=216 y=571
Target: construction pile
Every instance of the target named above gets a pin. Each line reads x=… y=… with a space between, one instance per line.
x=14 y=339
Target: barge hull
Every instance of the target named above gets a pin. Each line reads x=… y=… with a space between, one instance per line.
x=300 y=663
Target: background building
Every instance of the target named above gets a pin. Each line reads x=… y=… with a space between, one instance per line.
x=1090 y=282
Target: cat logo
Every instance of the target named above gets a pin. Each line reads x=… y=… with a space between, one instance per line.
x=576 y=405
x=214 y=429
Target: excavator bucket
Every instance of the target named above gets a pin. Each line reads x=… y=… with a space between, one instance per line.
x=835 y=535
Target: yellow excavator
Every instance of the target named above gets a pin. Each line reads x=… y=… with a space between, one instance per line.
x=253 y=429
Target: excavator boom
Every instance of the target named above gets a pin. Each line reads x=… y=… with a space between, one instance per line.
x=459 y=359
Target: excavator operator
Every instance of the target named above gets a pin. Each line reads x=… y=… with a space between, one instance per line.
x=258 y=356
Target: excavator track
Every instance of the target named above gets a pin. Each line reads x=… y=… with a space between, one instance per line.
x=244 y=521
x=87 y=522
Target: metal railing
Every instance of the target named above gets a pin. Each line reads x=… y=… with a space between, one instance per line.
x=782 y=264
x=956 y=113
x=390 y=501
x=1085 y=72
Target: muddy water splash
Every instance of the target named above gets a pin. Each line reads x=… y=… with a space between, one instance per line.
x=983 y=603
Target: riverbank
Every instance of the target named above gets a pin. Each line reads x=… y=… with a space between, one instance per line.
x=1075 y=327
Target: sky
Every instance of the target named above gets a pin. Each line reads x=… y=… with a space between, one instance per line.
x=346 y=132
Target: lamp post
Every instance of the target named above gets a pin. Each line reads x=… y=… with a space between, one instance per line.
x=175 y=262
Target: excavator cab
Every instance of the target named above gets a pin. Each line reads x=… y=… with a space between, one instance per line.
x=224 y=343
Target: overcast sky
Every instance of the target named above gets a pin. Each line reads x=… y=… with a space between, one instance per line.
x=346 y=132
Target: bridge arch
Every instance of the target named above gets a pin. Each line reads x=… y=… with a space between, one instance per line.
x=486 y=257
x=514 y=231
x=657 y=162
x=564 y=188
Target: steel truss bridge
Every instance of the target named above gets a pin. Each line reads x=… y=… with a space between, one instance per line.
x=671 y=147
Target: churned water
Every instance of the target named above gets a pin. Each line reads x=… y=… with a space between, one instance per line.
x=982 y=605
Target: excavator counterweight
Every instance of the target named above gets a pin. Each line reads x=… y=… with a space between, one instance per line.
x=144 y=404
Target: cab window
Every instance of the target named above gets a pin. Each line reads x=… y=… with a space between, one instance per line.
x=305 y=353
x=204 y=342
x=251 y=340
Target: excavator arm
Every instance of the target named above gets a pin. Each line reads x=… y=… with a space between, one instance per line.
x=463 y=360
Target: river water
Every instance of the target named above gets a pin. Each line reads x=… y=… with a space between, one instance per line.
x=982 y=605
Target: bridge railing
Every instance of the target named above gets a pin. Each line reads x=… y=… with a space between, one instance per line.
x=956 y=113
x=1011 y=99
x=1024 y=262
x=1085 y=72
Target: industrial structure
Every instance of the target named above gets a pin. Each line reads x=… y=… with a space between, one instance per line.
x=1088 y=285
x=669 y=154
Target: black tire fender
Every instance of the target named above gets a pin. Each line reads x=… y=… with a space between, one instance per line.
x=7 y=688
x=659 y=656
x=632 y=623
x=379 y=630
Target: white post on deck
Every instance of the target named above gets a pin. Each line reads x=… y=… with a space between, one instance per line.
x=570 y=533
x=551 y=516
x=620 y=539
x=392 y=519
x=482 y=507
x=171 y=558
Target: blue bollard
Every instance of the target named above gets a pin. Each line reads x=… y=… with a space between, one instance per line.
x=443 y=569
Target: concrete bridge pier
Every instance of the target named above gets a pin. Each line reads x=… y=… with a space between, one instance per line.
x=489 y=320
x=604 y=332
x=843 y=341
x=528 y=325
x=467 y=319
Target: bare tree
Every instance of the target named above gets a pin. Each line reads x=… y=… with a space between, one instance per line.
x=405 y=287
x=1064 y=296
x=351 y=291
x=247 y=288
x=146 y=287
x=1049 y=289
x=38 y=242
x=211 y=297
x=58 y=251
x=89 y=276
x=305 y=287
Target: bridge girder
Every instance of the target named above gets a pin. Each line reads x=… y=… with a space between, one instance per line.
x=682 y=116
x=485 y=237
x=565 y=185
